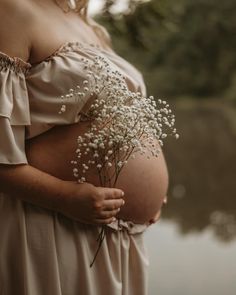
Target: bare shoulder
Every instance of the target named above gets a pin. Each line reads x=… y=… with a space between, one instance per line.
x=15 y=19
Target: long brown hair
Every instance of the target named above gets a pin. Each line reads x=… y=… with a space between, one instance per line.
x=100 y=31
x=82 y=10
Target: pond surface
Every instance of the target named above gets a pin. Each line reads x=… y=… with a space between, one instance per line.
x=190 y=265
x=192 y=248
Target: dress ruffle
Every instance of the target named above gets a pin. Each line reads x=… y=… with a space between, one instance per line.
x=16 y=64
x=14 y=109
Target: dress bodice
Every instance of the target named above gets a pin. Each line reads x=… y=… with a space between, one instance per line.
x=30 y=93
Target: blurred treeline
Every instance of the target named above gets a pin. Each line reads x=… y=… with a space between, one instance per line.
x=184 y=48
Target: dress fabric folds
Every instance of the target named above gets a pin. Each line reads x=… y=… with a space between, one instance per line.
x=14 y=110
x=43 y=252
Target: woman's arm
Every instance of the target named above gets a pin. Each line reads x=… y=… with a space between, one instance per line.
x=32 y=185
x=82 y=202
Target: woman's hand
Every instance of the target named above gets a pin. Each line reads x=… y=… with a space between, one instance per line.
x=158 y=215
x=89 y=204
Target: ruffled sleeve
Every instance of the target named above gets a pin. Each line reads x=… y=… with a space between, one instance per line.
x=14 y=109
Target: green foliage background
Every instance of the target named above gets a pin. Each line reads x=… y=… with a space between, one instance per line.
x=184 y=48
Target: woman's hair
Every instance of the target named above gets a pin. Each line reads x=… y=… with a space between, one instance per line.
x=100 y=31
x=82 y=10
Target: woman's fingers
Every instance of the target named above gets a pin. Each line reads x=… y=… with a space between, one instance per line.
x=114 y=193
x=109 y=214
x=165 y=200
x=108 y=211
x=156 y=217
x=105 y=221
x=110 y=205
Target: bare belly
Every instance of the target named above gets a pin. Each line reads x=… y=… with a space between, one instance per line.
x=144 y=181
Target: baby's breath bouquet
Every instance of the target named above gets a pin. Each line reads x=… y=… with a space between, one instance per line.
x=122 y=123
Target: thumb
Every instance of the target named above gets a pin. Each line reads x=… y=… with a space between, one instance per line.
x=155 y=218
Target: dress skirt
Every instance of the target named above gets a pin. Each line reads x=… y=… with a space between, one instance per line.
x=42 y=252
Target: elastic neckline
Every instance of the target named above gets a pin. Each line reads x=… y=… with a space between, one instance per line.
x=69 y=46
x=17 y=61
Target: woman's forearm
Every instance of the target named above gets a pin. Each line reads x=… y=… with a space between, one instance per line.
x=32 y=185
x=82 y=202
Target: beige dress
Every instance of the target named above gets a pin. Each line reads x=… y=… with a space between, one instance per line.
x=42 y=252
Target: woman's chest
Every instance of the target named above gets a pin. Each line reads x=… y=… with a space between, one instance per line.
x=71 y=60
x=50 y=28
x=70 y=76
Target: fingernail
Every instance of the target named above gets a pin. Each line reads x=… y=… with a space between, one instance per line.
x=122 y=194
x=113 y=219
x=123 y=202
x=118 y=209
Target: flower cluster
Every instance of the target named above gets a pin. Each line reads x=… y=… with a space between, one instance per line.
x=122 y=123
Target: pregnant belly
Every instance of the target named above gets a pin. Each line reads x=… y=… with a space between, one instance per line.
x=144 y=181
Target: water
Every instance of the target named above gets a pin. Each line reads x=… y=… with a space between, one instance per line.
x=192 y=248
x=190 y=265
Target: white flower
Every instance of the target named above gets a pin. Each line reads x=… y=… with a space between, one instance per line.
x=102 y=146
x=122 y=121
x=120 y=164
x=176 y=136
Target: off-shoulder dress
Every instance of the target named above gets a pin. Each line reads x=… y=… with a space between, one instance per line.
x=42 y=252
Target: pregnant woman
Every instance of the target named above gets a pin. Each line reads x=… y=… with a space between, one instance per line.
x=49 y=222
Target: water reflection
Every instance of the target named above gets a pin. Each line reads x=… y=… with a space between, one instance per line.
x=193 y=264
x=202 y=169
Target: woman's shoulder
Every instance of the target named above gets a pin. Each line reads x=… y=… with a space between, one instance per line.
x=15 y=17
